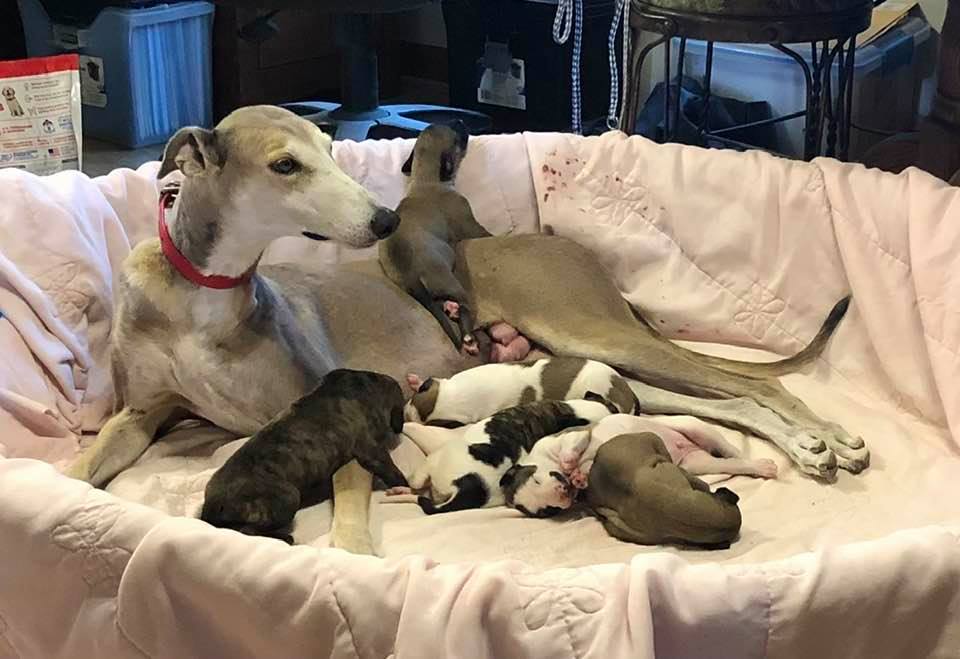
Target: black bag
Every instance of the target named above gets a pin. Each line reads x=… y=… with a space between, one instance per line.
x=724 y=113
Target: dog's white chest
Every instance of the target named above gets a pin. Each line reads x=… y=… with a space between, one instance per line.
x=221 y=388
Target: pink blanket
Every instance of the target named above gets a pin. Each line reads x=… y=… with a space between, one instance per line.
x=736 y=248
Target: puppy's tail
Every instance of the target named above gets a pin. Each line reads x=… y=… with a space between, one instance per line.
x=471 y=493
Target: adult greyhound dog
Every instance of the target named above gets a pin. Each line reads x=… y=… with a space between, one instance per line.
x=198 y=326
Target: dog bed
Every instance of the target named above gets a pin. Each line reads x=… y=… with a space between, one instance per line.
x=716 y=247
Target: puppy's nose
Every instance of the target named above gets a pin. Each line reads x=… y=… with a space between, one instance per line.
x=384 y=222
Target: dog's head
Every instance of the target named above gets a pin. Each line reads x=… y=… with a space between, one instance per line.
x=437 y=153
x=422 y=406
x=380 y=398
x=380 y=394
x=271 y=174
x=9 y=93
x=536 y=490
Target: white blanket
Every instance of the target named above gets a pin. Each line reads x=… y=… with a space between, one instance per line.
x=716 y=246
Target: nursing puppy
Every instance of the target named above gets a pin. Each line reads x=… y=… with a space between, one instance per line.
x=290 y=462
x=479 y=392
x=465 y=472
x=546 y=481
x=419 y=257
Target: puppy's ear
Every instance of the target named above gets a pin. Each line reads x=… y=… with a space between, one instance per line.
x=193 y=151
x=408 y=165
x=414 y=381
x=396 y=419
x=597 y=398
x=462 y=132
x=446 y=167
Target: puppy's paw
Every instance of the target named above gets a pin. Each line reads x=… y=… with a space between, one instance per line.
x=452 y=309
x=578 y=479
x=397 y=491
x=765 y=468
x=470 y=346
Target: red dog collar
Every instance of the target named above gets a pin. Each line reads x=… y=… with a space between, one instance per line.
x=182 y=263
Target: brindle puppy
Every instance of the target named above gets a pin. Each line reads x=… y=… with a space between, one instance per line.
x=290 y=462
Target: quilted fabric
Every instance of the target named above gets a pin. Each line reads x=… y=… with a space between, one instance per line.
x=715 y=246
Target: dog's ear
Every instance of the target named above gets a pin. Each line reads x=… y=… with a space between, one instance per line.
x=593 y=396
x=414 y=381
x=193 y=151
x=396 y=419
x=407 y=168
x=446 y=167
x=597 y=398
x=509 y=477
x=462 y=132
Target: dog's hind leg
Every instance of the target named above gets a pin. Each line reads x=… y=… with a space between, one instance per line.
x=744 y=414
x=120 y=442
x=558 y=294
x=352 y=487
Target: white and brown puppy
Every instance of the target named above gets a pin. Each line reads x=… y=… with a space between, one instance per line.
x=434 y=217
x=465 y=472
x=481 y=391
x=546 y=481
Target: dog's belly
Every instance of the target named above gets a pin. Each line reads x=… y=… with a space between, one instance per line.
x=374 y=325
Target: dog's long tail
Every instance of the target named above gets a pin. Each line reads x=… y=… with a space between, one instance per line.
x=780 y=367
x=471 y=493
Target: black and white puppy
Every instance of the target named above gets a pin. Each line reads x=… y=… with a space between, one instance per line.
x=290 y=462
x=465 y=472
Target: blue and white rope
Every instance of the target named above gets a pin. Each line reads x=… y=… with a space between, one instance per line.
x=621 y=11
x=569 y=18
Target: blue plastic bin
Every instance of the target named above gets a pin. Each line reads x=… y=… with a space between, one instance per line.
x=144 y=72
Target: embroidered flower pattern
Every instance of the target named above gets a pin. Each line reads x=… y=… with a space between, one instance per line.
x=759 y=309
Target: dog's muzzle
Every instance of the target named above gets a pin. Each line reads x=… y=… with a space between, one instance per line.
x=384 y=222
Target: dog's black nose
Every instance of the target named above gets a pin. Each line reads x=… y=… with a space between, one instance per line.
x=384 y=222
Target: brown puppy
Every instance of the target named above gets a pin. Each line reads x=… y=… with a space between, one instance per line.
x=641 y=496
x=419 y=257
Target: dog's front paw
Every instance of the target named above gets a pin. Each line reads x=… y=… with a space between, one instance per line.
x=352 y=538
x=82 y=469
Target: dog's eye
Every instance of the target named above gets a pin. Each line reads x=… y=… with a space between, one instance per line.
x=285 y=166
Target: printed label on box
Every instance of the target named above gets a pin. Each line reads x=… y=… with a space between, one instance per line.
x=40 y=114
x=69 y=37
x=93 y=89
x=506 y=89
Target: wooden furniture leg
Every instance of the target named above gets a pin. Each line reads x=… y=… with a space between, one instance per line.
x=935 y=148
